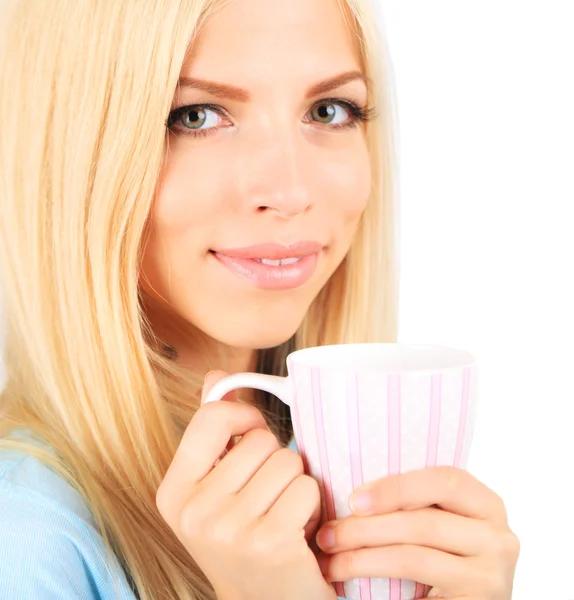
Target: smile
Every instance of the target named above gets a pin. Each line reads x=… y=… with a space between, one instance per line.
x=270 y=266
x=278 y=263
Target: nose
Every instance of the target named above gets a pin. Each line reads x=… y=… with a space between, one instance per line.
x=276 y=177
x=286 y=203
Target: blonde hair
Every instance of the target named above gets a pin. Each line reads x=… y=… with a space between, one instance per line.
x=84 y=371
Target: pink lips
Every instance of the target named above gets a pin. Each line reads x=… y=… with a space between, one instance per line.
x=298 y=263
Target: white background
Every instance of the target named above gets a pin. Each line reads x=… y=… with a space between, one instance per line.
x=486 y=103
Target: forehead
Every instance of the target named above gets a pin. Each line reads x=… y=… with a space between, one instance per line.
x=260 y=39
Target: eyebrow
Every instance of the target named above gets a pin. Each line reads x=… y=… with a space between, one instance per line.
x=224 y=90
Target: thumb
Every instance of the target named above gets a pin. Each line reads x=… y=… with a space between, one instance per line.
x=210 y=380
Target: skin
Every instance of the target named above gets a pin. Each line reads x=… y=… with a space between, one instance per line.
x=439 y=525
x=249 y=517
x=272 y=172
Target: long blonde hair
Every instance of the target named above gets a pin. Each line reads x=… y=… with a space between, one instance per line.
x=84 y=372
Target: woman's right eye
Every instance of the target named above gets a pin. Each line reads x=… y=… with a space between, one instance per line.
x=196 y=120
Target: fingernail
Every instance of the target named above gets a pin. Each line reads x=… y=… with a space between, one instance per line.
x=208 y=374
x=361 y=502
x=326 y=538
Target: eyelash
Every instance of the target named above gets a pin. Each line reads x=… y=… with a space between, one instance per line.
x=358 y=115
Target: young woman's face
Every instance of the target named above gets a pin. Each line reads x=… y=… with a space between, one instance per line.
x=269 y=163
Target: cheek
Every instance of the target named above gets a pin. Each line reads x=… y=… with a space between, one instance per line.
x=182 y=217
x=178 y=205
x=349 y=184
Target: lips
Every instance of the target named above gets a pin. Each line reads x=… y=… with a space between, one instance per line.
x=273 y=251
x=271 y=266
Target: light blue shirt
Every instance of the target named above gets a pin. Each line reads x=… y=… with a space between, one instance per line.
x=50 y=547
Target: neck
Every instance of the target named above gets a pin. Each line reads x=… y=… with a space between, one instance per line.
x=195 y=350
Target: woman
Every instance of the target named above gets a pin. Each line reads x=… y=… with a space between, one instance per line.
x=191 y=185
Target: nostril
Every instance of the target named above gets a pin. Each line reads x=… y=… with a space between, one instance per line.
x=286 y=213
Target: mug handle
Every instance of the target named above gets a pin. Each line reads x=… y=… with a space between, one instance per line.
x=278 y=386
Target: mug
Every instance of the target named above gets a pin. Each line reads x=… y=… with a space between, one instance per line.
x=361 y=412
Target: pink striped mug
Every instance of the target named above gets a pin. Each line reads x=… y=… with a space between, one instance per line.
x=361 y=412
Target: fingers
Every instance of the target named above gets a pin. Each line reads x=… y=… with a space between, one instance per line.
x=299 y=506
x=209 y=381
x=417 y=563
x=429 y=527
x=203 y=442
x=268 y=483
x=454 y=490
x=242 y=463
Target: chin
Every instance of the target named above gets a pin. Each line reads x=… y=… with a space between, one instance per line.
x=255 y=333
x=256 y=340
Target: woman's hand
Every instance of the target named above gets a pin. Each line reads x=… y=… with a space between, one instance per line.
x=439 y=526
x=244 y=515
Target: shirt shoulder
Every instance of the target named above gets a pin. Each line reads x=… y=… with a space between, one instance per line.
x=24 y=474
x=50 y=547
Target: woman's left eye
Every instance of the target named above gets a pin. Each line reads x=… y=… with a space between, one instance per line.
x=336 y=113
x=327 y=112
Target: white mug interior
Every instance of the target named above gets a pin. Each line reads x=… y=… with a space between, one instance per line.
x=382 y=358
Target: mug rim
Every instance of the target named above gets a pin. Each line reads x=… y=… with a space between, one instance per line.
x=462 y=358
